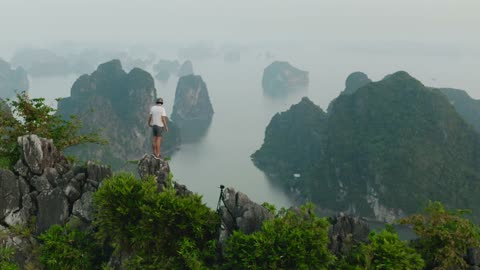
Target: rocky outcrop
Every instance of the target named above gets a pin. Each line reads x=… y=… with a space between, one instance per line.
x=165 y=68
x=240 y=213
x=45 y=186
x=159 y=168
x=280 y=78
x=380 y=152
x=192 y=110
x=346 y=232
x=117 y=104
x=12 y=80
x=186 y=69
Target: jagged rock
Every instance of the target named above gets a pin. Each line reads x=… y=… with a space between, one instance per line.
x=345 y=232
x=159 y=168
x=72 y=192
x=280 y=78
x=118 y=104
x=11 y=80
x=240 y=213
x=186 y=69
x=53 y=208
x=84 y=207
x=192 y=110
x=96 y=172
x=38 y=153
x=355 y=81
x=40 y=183
x=9 y=194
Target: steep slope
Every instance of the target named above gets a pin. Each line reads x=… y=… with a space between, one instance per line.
x=118 y=104
x=387 y=149
x=192 y=110
x=466 y=106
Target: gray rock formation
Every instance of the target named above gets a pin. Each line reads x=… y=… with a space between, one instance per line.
x=345 y=232
x=240 y=213
x=159 y=168
x=25 y=247
x=280 y=78
x=192 y=110
x=44 y=185
x=186 y=69
x=118 y=104
x=12 y=80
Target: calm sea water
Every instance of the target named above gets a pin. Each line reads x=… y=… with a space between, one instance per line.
x=242 y=112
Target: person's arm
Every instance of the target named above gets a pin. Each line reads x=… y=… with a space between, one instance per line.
x=164 y=120
x=150 y=120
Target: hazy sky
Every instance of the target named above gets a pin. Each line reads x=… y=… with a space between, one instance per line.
x=426 y=21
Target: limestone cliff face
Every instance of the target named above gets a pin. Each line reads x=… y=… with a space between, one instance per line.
x=12 y=80
x=192 y=110
x=279 y=78
x=466 y=106
x=382 y=151
x=118 y=104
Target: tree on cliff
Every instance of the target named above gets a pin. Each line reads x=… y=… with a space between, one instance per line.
x=33 y=116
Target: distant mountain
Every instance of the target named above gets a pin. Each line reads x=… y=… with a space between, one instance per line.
x=279 y=78
x=12 y=80
x=382 y=151
x=466 y=106
x=165 y=68
x=192 y=110
x=355 y=81
x=118 y=104
x=185 y=69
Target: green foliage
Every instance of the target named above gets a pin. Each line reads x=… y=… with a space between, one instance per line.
x=6 y=255
x=33 y=116
x=66 y=248
x=161 y=230
x=384 y=251
x=444 y=236
x=290 y=241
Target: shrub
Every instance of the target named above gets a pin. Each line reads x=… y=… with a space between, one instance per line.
x=33 y=116
x=6 y=255
x=290 y=241
x=160 y=230
x=66 y=248
x=384 y=251
x=444 y=236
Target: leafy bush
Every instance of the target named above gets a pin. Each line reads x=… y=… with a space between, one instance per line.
x=160 y=230
x=66 y=248
x=290 y=241
x=444 y=236
x=33 y=116
x=6 y=255
x=384 y=251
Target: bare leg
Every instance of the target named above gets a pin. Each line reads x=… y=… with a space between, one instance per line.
x=156 y=150
x=159 y=145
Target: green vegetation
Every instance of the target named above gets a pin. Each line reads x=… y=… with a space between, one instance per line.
x=160 y=230
x=6 y=255
x=66 y=248
x=384 y=251
x=444 y=236
x=290 y=241
x=33 y=116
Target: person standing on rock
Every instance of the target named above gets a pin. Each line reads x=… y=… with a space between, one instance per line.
x=158 y=122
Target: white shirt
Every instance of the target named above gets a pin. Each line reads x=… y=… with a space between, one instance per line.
x=157 y=111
